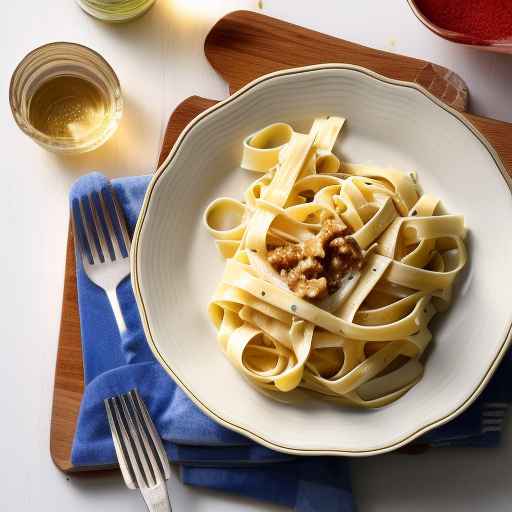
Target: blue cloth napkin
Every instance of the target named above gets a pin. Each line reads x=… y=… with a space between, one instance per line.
x=210 y=455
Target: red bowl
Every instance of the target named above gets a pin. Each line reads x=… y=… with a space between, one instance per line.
x=500 y=46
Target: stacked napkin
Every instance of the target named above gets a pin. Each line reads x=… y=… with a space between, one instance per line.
x=210 y=455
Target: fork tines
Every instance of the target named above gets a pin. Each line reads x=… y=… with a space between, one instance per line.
x=100 y=227
x=141 y=455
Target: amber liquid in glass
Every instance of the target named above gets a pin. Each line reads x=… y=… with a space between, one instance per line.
x=67 y=106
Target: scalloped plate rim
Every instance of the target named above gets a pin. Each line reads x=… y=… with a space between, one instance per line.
x=215 y=415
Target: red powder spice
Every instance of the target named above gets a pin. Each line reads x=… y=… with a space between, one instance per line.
x=484 y=19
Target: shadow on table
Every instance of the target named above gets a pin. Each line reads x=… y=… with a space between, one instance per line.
x=126 y=141
x=442 y=479
x=106 y=486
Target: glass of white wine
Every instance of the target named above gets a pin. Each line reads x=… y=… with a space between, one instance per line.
x=66 y=97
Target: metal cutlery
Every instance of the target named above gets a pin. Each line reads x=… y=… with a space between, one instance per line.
x=141 y=455
x=104 y=244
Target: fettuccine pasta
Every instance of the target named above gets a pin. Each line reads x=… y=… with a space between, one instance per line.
x=333 y=270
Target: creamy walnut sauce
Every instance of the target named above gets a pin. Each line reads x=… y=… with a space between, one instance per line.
x=316 y=267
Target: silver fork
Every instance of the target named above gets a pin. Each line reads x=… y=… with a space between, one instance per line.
x=141 y=455
x=105 y=260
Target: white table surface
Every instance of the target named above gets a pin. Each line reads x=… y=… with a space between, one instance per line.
x=159 y=60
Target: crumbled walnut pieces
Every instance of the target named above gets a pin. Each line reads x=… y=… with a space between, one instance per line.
x=316 y=267
x=286 y=256
x=311 y=288
x=303 y=278
x=346 y=257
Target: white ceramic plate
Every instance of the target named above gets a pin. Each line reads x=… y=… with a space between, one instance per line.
x=175 y=266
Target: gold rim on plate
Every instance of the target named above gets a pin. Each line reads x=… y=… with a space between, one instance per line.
x=134 y=258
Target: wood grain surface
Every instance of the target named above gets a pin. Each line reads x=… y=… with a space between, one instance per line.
x=245 y=45
x=241 y=47
x=69 y=373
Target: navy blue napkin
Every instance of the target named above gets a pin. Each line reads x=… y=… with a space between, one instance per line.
x=209 y=455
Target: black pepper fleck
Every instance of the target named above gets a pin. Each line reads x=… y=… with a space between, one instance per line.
x=293 y=308
x=263 y=294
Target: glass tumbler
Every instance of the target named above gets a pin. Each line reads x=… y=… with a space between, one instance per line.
x=70 y=88
x=115 y=11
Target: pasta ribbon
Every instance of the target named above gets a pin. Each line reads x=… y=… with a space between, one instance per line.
x=362 y=344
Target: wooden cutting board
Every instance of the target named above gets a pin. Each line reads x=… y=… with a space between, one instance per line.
x=242 y=46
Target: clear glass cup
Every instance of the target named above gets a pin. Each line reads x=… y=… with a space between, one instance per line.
x=61 y=61
x=116 y=11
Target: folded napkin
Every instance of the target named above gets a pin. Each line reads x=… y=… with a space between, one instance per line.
x=210 y=455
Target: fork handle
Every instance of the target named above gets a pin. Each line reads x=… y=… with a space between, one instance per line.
x=116 y=308
x=157 y=498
